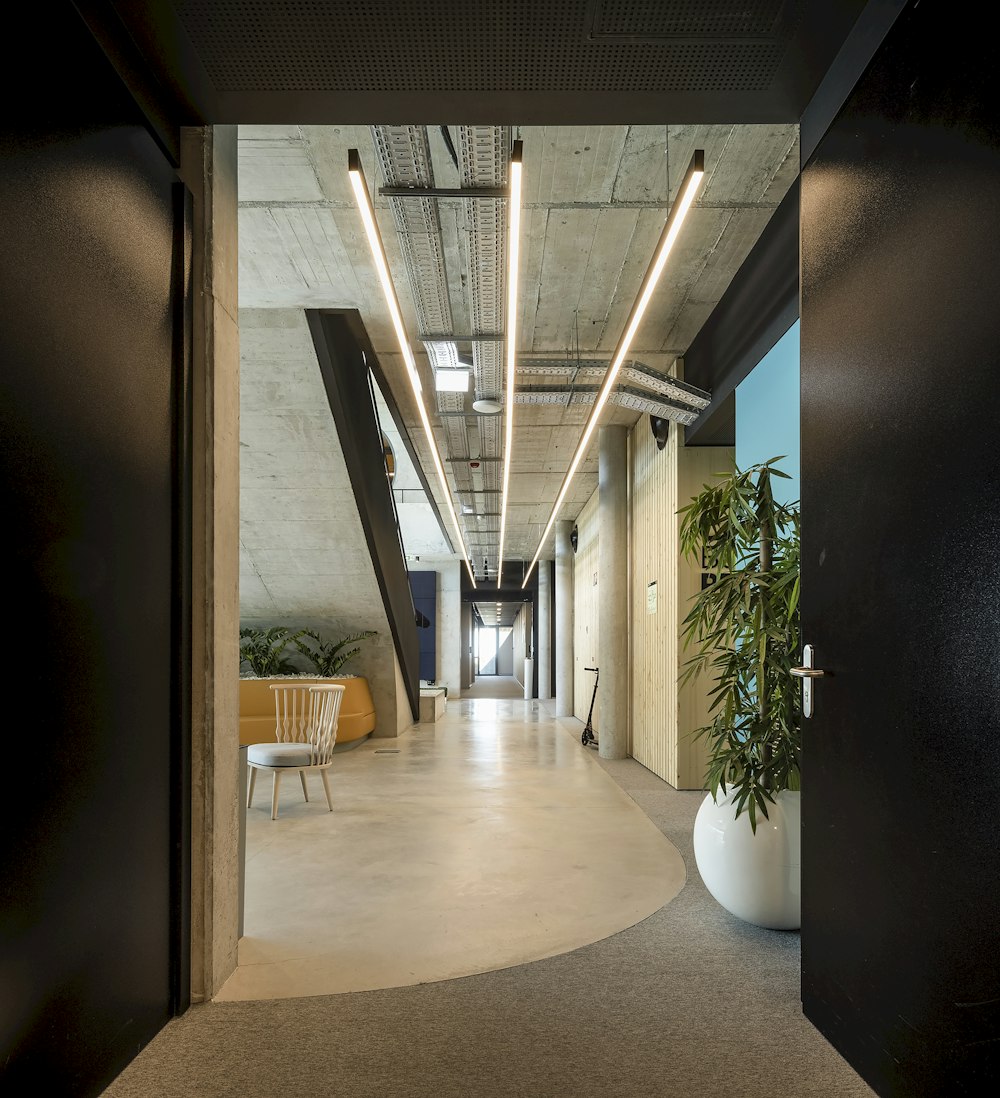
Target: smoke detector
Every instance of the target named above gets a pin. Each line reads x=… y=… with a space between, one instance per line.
x=487 y=407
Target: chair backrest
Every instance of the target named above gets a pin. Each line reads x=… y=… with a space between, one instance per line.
x=325 y=710
x=292 y=703
x=308 y=713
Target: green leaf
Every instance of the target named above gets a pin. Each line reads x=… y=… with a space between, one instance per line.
x=743 y=631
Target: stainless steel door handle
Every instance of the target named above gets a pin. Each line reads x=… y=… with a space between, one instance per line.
x=807 y=673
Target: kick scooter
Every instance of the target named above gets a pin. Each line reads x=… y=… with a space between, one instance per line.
x=588 y=738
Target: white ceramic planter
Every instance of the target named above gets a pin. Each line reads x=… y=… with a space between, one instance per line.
x=754 y=876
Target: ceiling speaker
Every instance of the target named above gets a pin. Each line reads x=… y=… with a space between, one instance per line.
x=661 y=430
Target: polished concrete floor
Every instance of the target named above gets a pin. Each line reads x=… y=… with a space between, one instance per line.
x=481 y=841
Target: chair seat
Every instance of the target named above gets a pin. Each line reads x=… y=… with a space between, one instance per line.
x=279 y=754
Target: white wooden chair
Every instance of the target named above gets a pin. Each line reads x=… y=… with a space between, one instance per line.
x=305 y=733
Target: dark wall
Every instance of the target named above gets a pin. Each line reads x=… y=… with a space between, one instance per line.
x=762 y=302
x=759 y=306
x=89 y=910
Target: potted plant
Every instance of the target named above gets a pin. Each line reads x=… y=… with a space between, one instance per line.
x=262 y=651
x=263 y=660
x=744 y=631
x=328 y=657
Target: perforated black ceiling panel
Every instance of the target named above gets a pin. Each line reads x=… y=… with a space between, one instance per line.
x=497 y=62
x=525 y=45
x=694 y=18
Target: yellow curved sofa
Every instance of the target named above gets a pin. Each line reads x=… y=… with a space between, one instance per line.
x=357 y=710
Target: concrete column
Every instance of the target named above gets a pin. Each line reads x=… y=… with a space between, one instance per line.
x=612 y=593
x=450 y=626
x=544 y=653
x=564 y=620
x=208 y=167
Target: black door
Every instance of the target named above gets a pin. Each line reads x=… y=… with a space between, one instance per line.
x=901 y=565
x=92 y=280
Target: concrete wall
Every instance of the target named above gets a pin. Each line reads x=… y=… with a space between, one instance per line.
x=404 y=717
x=208 y=163
x=304 y=560
x=662 y=715
x=505 y=653
x=585 y=591
x=466 y=664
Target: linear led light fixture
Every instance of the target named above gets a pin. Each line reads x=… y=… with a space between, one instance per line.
x=685 y=198
x=514 y=215
x=367 y=211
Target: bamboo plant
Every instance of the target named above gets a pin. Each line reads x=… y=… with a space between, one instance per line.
x=743 y=629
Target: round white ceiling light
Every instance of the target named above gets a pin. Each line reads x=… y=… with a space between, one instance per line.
x=487 y=407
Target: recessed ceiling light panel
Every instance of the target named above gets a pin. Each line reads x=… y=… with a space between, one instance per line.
x=451 y=381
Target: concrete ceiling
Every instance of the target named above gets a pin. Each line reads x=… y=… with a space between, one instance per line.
x=588 y=87
x=595 y=199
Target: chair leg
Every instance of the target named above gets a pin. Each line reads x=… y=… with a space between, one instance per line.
x=326 y=786
x=274 y=795
x=302 y=779
x=253 y=780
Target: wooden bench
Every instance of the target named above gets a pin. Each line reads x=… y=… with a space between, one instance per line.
x=433 y=701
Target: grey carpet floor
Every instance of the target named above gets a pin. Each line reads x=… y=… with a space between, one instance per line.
x=689 y=1002
x=494 y=686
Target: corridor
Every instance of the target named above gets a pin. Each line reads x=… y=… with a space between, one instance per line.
x=475 y=845
x=486 y=839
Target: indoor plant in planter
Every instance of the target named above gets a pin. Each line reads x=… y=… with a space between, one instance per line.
x=263 y=661
x=328 y=657
x=262 y=651
x=744 y=628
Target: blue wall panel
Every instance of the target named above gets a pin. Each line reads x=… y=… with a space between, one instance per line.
x=424 y=588
x=767 y=413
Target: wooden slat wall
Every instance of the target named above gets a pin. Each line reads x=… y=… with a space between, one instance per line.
x=585 y=609
x=663 y=714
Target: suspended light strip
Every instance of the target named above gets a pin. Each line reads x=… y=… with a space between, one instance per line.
x=514 y=214
x=689 y=186
x=388 y=289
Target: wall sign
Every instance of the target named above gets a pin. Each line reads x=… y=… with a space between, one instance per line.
x=651 y=597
